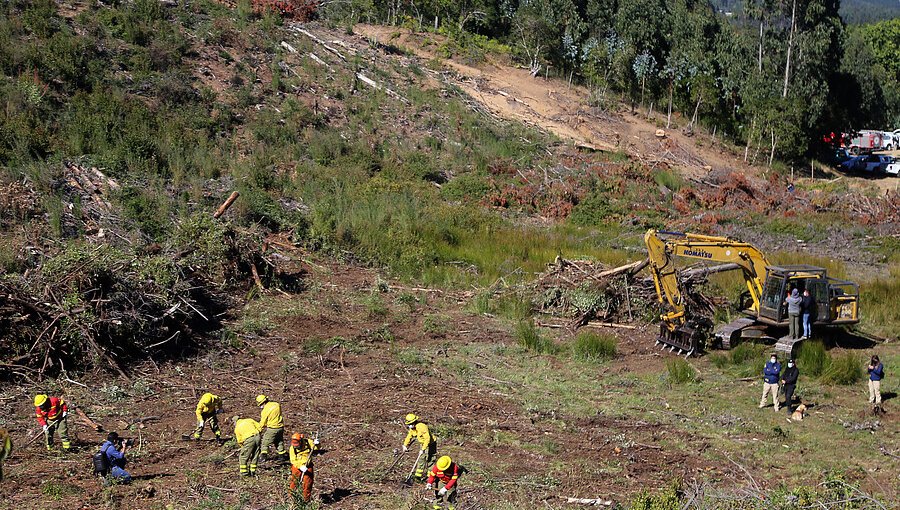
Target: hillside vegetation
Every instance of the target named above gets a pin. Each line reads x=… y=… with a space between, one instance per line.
x=383 y=253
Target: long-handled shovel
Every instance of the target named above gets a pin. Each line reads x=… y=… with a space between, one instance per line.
x=408 y=480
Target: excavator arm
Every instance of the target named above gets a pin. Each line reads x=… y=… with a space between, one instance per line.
x=663 y=247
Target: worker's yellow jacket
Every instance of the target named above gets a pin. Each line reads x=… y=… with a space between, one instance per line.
x=245 y=429
x=207 y=405
x=420 y=432
x=271 y=416
x=300 y=454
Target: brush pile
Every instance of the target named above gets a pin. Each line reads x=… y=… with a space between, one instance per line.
x=584 y=291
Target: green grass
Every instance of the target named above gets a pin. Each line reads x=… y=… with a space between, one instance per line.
x=879 y=313
x=680 y=372
x=531 y=338
x=590 y=346
x=812 y=358
x=845 y=369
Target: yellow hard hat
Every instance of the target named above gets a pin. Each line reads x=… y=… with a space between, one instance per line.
x=261 y=399
x=444 y=462
x=411 y=418
x=39 y=400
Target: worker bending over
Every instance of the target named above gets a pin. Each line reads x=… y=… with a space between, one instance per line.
x=246 y=433
x=270 y=418
x=208 y=410
x=301 y=451
x=51 y=415
x=447 y=472
x=419 y=430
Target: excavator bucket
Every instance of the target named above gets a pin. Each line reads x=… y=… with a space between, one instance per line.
x=685 y=339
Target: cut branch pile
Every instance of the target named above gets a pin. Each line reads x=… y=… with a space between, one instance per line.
x=584 y=291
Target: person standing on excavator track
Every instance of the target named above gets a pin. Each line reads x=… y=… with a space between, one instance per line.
x=771 y=373
x=209 y=407
x=51 y=415
x=419 y=430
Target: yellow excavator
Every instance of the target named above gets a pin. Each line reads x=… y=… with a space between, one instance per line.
x=762 y=304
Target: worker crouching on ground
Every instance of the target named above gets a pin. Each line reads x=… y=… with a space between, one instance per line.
x=208 y=410
x=114 y=449
x=419 y=430
x=447 y=472
x=302 y=450
x=246 y=433
x=770 y=381
x=270 y=418
x=5 y=449
x=51 y=415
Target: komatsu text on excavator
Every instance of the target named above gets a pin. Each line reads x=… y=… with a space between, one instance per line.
x=762 y=304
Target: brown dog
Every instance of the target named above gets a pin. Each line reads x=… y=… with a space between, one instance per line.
x=798 y=413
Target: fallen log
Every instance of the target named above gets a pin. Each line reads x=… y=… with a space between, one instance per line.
x=87 y=421
x=632 y=268
x=589 y=501
x=598 y=324
x=225 y=205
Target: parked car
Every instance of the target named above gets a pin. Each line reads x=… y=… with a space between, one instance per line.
x=839 y=156
x=849 y=165
x=893 y=167
x=889 y=141
x=872 y=164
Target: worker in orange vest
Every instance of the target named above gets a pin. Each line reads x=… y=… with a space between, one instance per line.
x=301 y=452
x=51 y=415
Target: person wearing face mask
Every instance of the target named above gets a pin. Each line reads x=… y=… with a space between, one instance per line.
x=770 y=381
x=789 y=383
x=419 y=430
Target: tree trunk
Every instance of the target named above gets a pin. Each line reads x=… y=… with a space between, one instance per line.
x=759 y=59
x=749 y=139
x=772 y=154
x=787 y=65
x=669 y=116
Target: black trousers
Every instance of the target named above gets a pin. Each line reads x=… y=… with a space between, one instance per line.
x=789 y=396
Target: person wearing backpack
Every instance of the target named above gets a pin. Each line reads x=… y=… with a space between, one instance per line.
x=110 y=461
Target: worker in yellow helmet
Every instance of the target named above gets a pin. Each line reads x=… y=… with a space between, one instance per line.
x=209 y=407
x=5 y=449
x=447 y=472
x=419 y=430
x=246 y=433
x=51 y=415
x=270 y=418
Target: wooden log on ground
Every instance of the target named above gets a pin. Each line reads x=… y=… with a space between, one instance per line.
x=598 y=324
x=225 y=205
x=589 y=501
x=87 y=421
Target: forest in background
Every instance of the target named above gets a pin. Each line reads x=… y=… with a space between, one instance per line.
x=782 y=71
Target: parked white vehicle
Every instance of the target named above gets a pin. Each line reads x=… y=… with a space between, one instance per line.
x=893 y=167
x=890 y=139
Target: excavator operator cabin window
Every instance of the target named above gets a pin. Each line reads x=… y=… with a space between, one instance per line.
x=772 y=296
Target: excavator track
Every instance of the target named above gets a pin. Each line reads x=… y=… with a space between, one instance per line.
x=728 y=335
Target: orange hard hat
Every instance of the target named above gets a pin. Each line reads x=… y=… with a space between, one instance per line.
x=296 y=438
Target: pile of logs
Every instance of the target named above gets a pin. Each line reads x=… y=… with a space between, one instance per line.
x=584 y=291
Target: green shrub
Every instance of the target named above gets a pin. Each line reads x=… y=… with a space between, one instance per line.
x=592 y=346
x=812 y=358
x=680 y=371
x=844 y=370
x=532 y=339
x=375 y=306
x=666 y=499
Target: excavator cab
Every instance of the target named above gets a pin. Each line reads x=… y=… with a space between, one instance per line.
x=836 y=300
